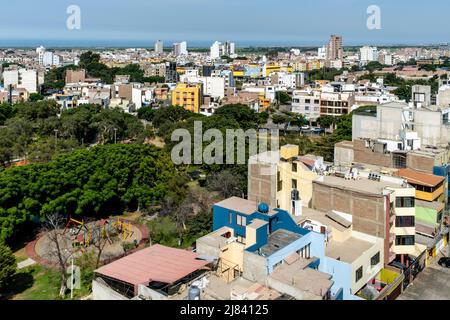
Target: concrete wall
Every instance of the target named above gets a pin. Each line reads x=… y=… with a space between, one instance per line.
x=255 y=268
x=262 y=187
x=368 y=211
x=101 y=291
x=150 y=294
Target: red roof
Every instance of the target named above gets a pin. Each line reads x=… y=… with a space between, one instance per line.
x=156 y=263
x=423 y=179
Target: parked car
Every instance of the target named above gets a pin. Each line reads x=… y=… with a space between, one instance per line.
x=306 y=128
x=318 y=130
x=444 y=262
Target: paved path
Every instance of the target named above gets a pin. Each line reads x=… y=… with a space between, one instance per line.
x=431 y=284
x=25 y=263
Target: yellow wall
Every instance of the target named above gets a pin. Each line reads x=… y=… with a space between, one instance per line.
x=427 y=196
x=192 y=93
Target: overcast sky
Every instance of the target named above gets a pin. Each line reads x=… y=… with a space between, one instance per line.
x=294 y=22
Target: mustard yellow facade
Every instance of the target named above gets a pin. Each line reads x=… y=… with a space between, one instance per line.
x=187 y=96
x=430 y=196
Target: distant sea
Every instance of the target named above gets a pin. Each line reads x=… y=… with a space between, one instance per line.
x=53 y=43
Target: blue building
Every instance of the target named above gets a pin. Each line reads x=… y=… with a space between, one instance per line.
x=277 y=251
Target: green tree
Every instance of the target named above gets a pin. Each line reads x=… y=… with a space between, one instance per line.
x=36 y=97
x=7 y=265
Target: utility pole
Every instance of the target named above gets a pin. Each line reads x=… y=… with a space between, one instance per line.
x=56 y=139
x=71 y=282
x=115 y=136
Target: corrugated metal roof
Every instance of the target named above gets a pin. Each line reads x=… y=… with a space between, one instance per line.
x=156 y=263
x=420 y=178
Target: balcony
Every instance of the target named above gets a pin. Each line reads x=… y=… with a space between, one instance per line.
x=392 y=237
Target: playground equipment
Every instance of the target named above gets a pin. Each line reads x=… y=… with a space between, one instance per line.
x=86 y=234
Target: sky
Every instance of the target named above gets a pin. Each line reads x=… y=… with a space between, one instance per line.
x=200 y=22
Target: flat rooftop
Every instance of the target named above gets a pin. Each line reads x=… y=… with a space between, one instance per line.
x=311 y=282
x=319 y=216
x=362 y=185
x=348 y=250
x=240 y=205
x=279 y=240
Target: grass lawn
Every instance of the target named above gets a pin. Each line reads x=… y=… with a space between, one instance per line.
x=39 y=283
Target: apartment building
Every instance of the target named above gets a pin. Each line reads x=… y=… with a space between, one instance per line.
x=212 y=86
x=335 y=103
x=21 y=78
x=288 y=253
x=381 y=206
x=188 y=96
x=392 y=121
x=154 y=69
x=307 y=103
x=282 y=178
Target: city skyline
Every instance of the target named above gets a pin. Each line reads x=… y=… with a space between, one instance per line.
x=289 y=23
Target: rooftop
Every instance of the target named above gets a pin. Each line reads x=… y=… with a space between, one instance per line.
x=156 y=263
x=416 y=177
x=319 y=216
x=279 y=240
x=303 y=278
x=348 y=250
x=240 y=205
x=362 y=185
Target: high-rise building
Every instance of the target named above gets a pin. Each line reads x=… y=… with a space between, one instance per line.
x=171 y=72
x=40 y=51
x=334 y=49
x=215 y=50
x=368 y=54
x=159 y=47
x=180 y=48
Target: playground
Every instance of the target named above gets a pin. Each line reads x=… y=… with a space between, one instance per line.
x=113 y=237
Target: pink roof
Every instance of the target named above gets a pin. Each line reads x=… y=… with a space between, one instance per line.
x=156 y=263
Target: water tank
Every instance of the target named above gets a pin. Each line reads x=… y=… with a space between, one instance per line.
x=263 y=208
x=194 y=293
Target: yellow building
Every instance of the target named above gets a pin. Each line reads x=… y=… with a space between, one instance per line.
x=272 y=176
x=188 y=96
x=428 y=186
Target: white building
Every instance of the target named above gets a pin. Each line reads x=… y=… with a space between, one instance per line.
x=180 y=49
x=212 y=86
x=21 y=78
x=215 y=50
x=368 y=54
x=40 y=51
x=142 y=97
x=159 y=47
x=322 y=53
x=307 y=103
x=50 y=59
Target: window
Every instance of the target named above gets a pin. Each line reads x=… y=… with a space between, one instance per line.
x=307 y=100
x=294 y=167
x=405 y=202
x=404 y=241
x=230 y=218
x=405 y=222
x=241 y=221
x=305 y=252
x=439 y=217
x=359 y=274
x=280 y=182
x=294 y=184
x=375 y=259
